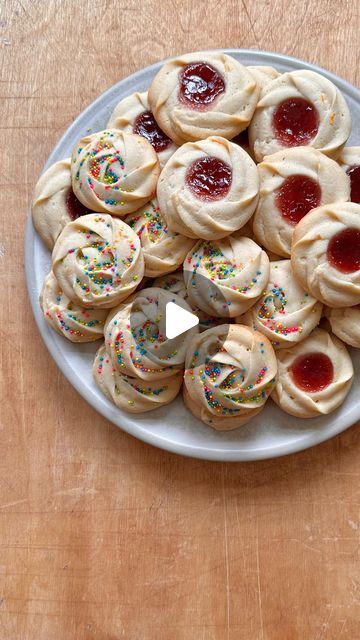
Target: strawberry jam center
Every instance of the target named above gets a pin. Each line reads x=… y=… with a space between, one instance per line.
x=209 y=178
x=296 y=197
x=146 y=126
x=295 y=122
x=199 y=85
x=312 y=372
x=343 y=251
x=354 y=175
x=74 y=207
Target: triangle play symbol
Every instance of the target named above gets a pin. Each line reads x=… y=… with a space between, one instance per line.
x=178 y=320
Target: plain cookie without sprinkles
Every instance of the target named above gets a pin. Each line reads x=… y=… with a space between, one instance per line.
x=133 y=115
x=201 y=94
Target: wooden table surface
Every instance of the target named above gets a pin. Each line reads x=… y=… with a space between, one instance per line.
x=102 y=536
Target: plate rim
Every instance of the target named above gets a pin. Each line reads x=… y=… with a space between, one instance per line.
x=101 y=404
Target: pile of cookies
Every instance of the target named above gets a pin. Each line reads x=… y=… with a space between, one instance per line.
x=229 y=191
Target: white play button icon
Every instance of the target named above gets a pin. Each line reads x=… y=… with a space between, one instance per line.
x=178 y=320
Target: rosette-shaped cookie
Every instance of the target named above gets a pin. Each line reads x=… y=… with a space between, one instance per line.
x=200 y=94
x=226 y=277
x=133 y=115
x=132 y=394
x=135 y=337
x=78 y=324
x=230 y=372
x=285 y=313
x=325 y=254
x=345 y=323
x=349 y=161
x=175 y=283
x=208 y=189
x=314 y=376
x=300 y=108
x=97 y=261
x=292 y=182
x=114 y=172
x=54 y=203
x=163 y=250
x=263 y=75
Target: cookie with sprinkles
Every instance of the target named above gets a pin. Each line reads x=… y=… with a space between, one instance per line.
x=135 y=336
x=163 y=250
x=175 y=283
x=98 y=261
x=226 y=277
x=132 y=394
x=172 y=282
x=285 y=313
x=230 y=373
x=54 y=203
x=76 y=323
x=133 y=115
x=114 y=172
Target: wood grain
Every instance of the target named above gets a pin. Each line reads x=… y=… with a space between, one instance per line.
x=102 y=536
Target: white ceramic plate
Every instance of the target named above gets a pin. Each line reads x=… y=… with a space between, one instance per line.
x=272 y=433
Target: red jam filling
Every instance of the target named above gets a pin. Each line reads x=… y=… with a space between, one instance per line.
x=312 y=372
x=146 y=126
x=209 y=178
x=296 y=197
x=295 y=122
x=74 y=207
x=199 y=85
x=343 y=251
x=354 y=175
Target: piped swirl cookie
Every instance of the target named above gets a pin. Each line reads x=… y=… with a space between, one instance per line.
x=345 y=324
x=349 y=161
x=263 y=74
x=77 y=324
x=325 y=254
x=175 y=283
x=114 y=172
x=98 y=261
x=230 y=372
x=225 y=277
x=200 y=94
x=163 y=250
x=54 y=203
x=292 y=182
x=135 y=336
x=300 y=108
x=208 y=189
x=172 y=282
x=314 y=376
x=133 y=115
x=285 y=313
x=132 y=394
